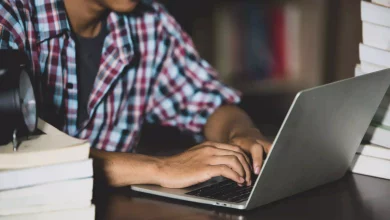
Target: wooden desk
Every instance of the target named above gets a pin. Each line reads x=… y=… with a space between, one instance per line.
x=352 y=197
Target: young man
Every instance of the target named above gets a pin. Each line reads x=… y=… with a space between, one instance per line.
x=106 y=66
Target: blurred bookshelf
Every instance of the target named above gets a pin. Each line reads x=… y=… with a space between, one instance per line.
x=259 y=47
x=327 y=35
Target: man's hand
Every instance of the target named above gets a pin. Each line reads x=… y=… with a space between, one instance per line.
x=202 y=162
x=230 y=124
x=252 y=142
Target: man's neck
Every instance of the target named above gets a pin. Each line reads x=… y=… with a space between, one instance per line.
x=85 y=16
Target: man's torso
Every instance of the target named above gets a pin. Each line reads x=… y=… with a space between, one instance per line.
x=147 y=72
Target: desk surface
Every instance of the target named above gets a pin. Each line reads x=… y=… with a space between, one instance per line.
x=352 y=197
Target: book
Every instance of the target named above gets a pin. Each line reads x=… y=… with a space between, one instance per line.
x=226 y=41
x=52 y=147
x=376 y=36
x=371 y=166
x=374 y=151
x=382 y=116
x=374 y=55
x=374 y=13
x=87 y=213
x=292 y=38
x=378 y=135
x=12 y=179
x=382 y=2
x=367 y=67
x=17 y=205
x=258 y=48
x=46 y=208
x=85 y=184
x=358 y=70
x=278 y=42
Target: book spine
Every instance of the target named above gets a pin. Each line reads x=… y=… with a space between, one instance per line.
x=358 y=70
x=60 y=197
x=224 y=50
x=374 y=55
x=278 y=43
x=45 y=174
x=375 y=14
x=385 y=3
x=376 y=36
x=45 y=208
x=85 y=184
x=87 y=213
x=370 y=67
x=257 y=50
x=378 y=136
x=292 y=40
x=371 y=166
x=374 y=151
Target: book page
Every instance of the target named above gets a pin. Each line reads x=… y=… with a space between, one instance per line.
x=52 y=139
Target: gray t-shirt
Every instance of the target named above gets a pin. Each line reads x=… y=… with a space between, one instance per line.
x=88 y=54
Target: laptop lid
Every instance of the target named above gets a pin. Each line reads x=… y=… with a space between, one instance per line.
x=319 y=137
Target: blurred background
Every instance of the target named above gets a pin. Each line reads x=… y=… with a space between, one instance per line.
x=271 y=49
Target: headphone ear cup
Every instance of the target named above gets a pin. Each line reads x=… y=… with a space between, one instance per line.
x=16 y=93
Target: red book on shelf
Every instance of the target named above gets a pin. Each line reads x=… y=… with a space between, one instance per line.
x=278 y=34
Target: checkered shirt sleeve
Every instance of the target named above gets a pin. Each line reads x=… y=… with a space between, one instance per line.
x=187 y=90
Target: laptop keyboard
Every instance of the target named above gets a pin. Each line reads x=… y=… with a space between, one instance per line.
x=227 y=190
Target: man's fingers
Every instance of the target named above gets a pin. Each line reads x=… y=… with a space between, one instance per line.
x=225 y=171
x=266 y=146
x=230 y=148
x=257 y=156
x=231 y=161
x=240 y=158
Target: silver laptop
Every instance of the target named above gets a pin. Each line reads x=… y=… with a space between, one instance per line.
x=315 y=145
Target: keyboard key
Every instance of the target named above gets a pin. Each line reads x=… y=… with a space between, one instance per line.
x=226 y=190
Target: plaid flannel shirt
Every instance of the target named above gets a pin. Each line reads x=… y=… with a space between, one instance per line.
x=149 y=70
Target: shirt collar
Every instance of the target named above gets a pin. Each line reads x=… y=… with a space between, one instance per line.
x=51 y=18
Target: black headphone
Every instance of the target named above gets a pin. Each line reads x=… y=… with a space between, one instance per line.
x=18 y=106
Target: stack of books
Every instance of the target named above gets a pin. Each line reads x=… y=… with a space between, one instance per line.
x=49 y=177
x=373 y=156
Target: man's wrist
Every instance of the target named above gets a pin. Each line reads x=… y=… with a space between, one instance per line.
x=161 y=169
x=121 y=169
x=155 y=170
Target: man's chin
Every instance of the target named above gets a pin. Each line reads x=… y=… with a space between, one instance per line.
x=125 y=6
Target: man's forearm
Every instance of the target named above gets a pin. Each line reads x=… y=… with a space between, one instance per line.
x=122 y=169
x=226 y=122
